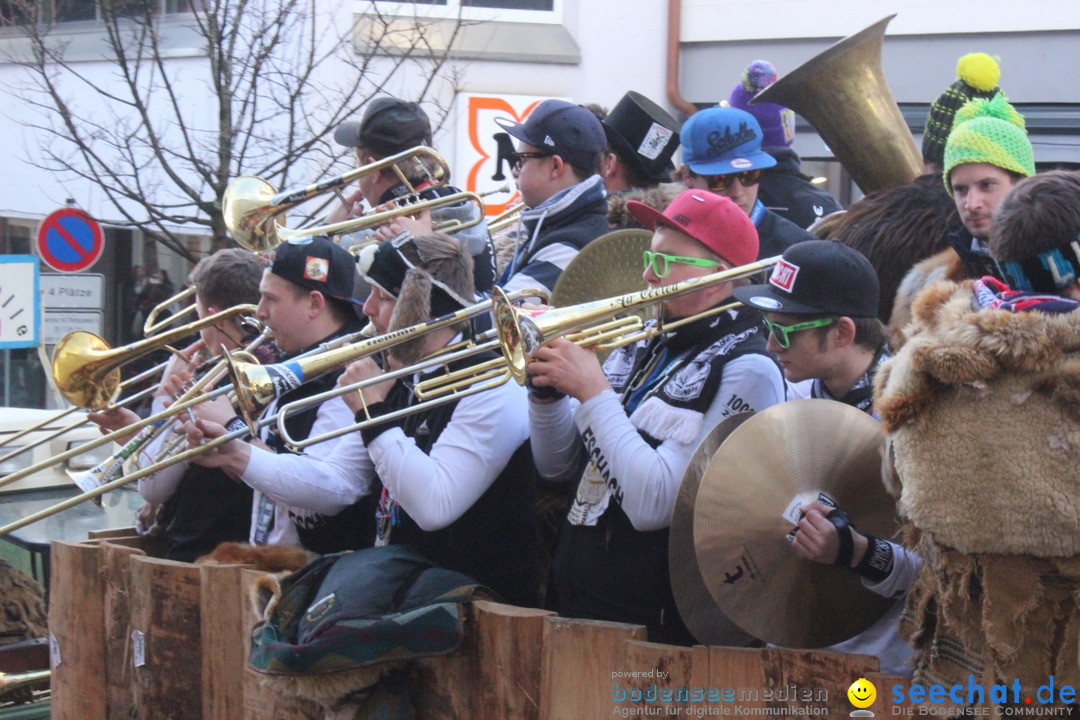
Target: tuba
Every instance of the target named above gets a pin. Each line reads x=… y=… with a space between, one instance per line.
x=842 y=92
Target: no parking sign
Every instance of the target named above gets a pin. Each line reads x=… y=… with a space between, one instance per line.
x=69 y=240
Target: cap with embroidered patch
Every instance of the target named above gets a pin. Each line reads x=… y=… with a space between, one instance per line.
x=817 y=277
x=713 y=220
x=317 y=264
x=561 y=128
x=722 y=141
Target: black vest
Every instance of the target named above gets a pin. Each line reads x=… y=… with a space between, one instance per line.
x=610 y=571
x=352 y=528
x=495 y=541
x=208 y=508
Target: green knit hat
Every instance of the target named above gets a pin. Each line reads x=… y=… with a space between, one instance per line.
x=977 y=76
x=992 y=132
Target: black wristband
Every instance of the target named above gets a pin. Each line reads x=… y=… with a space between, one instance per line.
x=840 y=521
x=378 y=426
x=877 y=563
x=237 y=423
x=547 y=392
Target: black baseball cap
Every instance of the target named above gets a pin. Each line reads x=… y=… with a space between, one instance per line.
x=561 y=128
x=388 y=126
x=817 y=277
x=317 y=264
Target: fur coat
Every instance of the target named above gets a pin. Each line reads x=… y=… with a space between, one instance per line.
x=982 y=409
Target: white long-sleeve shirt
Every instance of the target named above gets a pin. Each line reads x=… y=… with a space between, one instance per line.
x=647 y=478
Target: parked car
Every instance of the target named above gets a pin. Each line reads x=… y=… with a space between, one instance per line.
x=14 y=420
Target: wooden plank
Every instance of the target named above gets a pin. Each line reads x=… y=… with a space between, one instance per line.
x=883 y=703
x=668 y=672
x=77 y=632
x=822 y=678
x=221 y=604
x=494 y=675
x=579 y=659
x=265 y=699
x=115 y=559
x=112 y=533
x=165 y=610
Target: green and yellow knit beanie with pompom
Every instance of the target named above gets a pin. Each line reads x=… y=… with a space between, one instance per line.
x=992 y=132
x=977 y=76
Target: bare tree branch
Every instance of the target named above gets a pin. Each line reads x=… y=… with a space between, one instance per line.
x=161 y=137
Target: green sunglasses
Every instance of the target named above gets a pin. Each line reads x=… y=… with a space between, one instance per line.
x=782 y=333
x=659 y=262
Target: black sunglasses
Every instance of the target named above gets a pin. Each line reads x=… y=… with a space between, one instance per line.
x=517 y=159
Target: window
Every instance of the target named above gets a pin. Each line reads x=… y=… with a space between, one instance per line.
x=535 y=11
x=20 y=12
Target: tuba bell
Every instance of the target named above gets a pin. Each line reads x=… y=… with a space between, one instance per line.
x=842 y=92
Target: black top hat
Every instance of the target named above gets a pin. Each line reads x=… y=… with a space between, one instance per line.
x=641 y=132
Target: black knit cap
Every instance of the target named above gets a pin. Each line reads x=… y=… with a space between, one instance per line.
x=977 y=75
x=817 y=277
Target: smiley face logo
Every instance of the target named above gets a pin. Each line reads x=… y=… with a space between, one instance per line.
x=862 y=693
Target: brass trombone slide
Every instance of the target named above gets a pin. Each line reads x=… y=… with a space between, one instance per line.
x=14 y=681
x=153 y=325
x=251 y=207
x=173 y=409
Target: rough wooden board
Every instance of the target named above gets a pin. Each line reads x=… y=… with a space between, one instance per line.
x=116 y=584
x=495 y=674
x=165 y=609
x=579 y=659
x=76 y=624
x=221 y=607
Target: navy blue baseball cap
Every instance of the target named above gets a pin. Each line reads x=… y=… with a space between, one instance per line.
x=722 y=141
x=561 y=128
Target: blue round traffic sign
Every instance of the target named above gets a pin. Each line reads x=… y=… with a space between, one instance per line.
x=69 y=240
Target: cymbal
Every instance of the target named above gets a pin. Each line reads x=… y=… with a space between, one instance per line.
x=791 y=450
x=697 y=608
x=609 y=265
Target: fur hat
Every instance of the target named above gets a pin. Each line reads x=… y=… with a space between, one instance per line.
x=777 y=122
x=977 y=76
x=992 y=132
x=399 y=268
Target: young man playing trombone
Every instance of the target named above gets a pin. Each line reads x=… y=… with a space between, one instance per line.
x=306 y=300
x=200 y=507
x=390 y=126
x=634 y=424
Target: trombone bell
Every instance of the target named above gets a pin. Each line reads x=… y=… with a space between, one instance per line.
x=246 y=207
x=76 y=378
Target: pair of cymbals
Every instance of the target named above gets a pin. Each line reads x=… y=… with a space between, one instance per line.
x=755 y=580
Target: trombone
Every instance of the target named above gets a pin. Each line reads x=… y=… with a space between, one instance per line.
x=506 y=218
x=343 y=350
x=258 y=385
x=251 y=208
x=521 y=331
x=153 y=325
x=77 y=364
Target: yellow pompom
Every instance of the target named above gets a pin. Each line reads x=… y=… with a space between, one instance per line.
x=978 y=70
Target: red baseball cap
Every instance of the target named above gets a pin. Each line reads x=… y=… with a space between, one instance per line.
x=713 y=220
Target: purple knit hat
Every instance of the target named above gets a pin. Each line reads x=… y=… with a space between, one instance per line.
x=777 y=122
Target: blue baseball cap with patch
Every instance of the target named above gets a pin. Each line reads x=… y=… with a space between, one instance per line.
x=722 y=141
x=561 y=128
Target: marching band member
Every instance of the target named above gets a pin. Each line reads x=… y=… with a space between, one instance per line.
x=560 y=151
x=306 y=300
x=454 y=481
x=820 y=306
x=390 y=126
x=637 y=421
x=200 y=507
